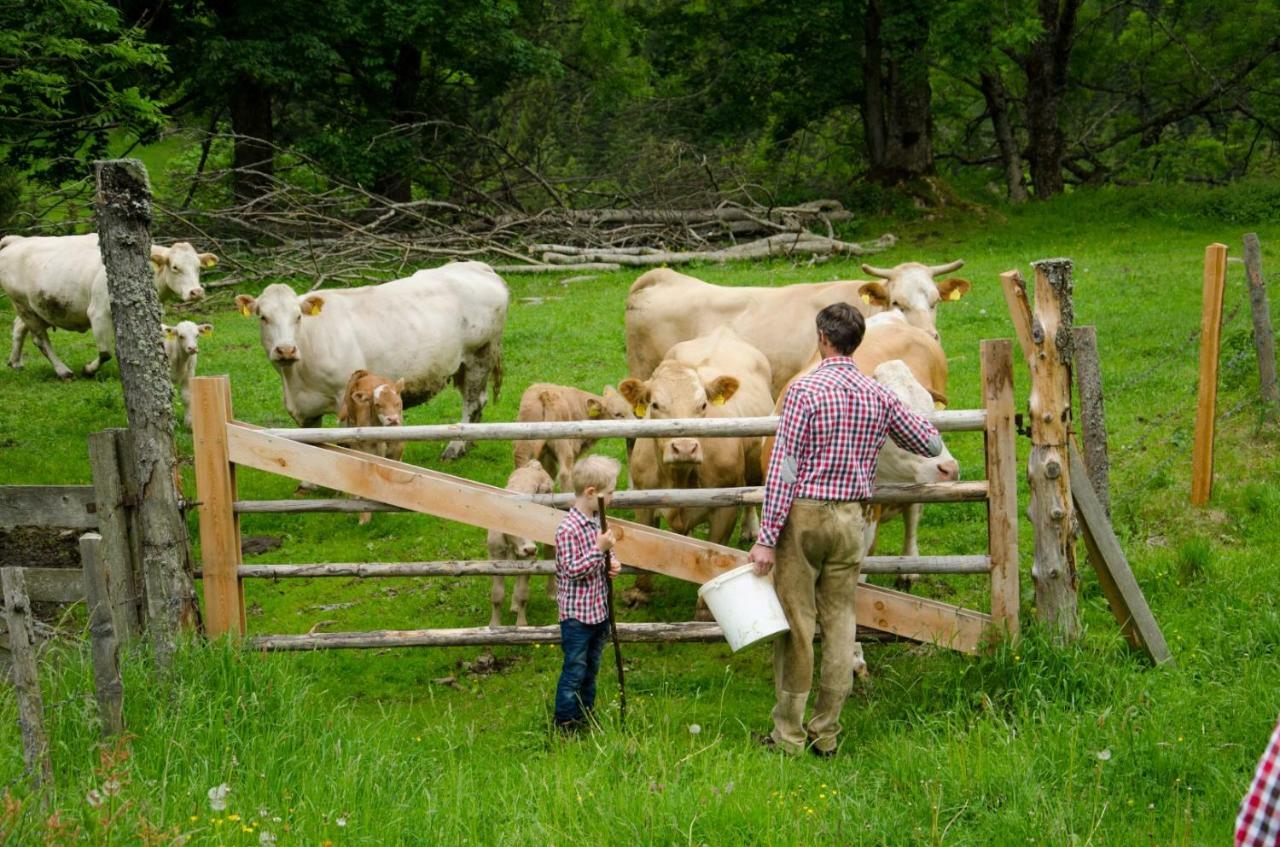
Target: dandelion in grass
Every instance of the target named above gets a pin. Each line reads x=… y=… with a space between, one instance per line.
x=233 y=817
x=341 y=822
x=111 y=787
x=694 y=729
x=218 y=797
x=1104 y=755
x=266 y=839
x=263 y=811
x=94 y=798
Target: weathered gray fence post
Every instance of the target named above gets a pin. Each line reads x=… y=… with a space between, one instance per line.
x=111 y=500
x=124 y=236
x=1048 y=467
x=105 y=645
x=1263 y=340
x=1093 y=416
x=26 y=680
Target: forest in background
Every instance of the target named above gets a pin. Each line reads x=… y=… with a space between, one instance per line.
x=501 y=106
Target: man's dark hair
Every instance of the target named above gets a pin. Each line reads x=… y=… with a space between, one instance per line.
x=843 y=325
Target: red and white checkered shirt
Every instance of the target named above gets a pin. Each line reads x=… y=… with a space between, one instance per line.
x=1258 y=824
x=834 y=421
x=581 y=582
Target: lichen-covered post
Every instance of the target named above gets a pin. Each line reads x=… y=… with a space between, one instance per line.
x=124 y=236
x=1051 y=510
x=1263 y=340
x=26 y=679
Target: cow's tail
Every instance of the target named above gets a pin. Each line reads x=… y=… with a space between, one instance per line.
x=495 y=374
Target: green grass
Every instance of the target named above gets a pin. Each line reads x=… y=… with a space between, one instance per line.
x=1034 y=744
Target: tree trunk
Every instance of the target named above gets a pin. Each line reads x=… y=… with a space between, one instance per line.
x=395 y=183
x=249 y=102
x=1045 y=65
x=899 y=91
x=998 y=105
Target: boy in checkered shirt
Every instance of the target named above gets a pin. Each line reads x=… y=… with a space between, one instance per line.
x=581 y=590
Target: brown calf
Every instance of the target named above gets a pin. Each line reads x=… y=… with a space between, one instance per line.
x=372 y=400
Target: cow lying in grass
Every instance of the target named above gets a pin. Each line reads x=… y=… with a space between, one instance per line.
x=372 y=400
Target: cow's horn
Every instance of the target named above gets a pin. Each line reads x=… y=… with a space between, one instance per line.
x=880 y=272
x=934 y=270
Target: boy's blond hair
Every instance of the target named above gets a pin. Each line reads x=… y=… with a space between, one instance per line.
x=599 y=472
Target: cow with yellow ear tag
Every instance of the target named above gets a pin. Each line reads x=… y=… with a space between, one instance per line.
x=181 y=345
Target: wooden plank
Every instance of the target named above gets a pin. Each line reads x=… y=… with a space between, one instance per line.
x=107 y=686
x=546 y=567
x=115 y=549
x=53 y=585
x=1015 y=297
x=1093 y=416
x=936 y=492
x=1118 y=582
x=1054 y=568
x=1002 y=478
x=26 y=680
x=1215 y=276
x=482 y=505
x=1263 y=338
x=634 y=633
x=66 y=506
x=951 y=420
x=216 y=494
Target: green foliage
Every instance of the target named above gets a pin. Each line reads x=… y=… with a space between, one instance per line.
x=73 y=72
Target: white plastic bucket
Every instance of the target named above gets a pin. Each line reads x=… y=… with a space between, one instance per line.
x=745 y=606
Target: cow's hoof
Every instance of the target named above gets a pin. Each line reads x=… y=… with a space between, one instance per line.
x=860 y=671
x=905 y=581
x=66 y=376
x=454 y=450
x=305 y=489
x=635 y=597
x=17 y=366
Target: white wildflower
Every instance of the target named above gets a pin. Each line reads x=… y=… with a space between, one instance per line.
x=341 y=821
x=1104 y=755
x=111 y=787
x=266 y=839
x=218 y=797
x=694 y=729
x=94 y=798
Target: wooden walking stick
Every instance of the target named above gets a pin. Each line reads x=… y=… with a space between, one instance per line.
x=613 y=621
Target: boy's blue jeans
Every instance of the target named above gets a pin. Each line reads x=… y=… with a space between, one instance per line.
x=576 y=691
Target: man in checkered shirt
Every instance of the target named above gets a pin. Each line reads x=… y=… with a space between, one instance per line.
x=582 y=590
x=1258 y=824
x=834 y=422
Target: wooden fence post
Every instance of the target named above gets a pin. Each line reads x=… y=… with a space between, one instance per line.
x=1002 y=482
x=116 y=549
x=1215 y=276
x=26 y=680
x=1048 y=468
x=1263 y=340
x=1093 y=416
x=105 y=646
x=216 y=492
x=124 y=237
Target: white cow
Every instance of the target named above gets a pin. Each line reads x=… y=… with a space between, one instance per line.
x=438 y=325
x=181 y=344
x=59 y=282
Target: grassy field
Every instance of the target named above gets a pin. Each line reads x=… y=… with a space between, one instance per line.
x=1033 y=744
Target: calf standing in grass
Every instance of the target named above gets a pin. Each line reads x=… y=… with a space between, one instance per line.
x=544 y=402
x=529 y=478
x=181 y=343
x=372 y=400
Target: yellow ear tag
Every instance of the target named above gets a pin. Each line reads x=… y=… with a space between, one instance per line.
x=866 y=298
x=938 y=406
x=718 y=401
x=313 y=309
x=244 y=310
x=593 y=412
x=639 y=410
x=954 y=295
x=169 y=335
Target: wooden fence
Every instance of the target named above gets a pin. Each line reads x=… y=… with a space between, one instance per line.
x=222 y=444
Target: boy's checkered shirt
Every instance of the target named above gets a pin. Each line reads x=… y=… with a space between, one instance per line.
x=581 y=587
x=834 y=421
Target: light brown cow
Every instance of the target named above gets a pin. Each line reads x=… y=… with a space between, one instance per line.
x=529 y=478
x=543 y=401
x=716 y=376
x=665 y=307
x=372 y=400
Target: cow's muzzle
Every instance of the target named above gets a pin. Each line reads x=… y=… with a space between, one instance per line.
x=683 y=451
x=194 y=294
x=285 y=354
x=949 y=471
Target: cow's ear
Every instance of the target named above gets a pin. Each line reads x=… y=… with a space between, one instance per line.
x=312 y=304
x=159 y=257
x=205 y=329
x=954 y=288
x=594 y=408
x=636 y=394
x=246 y=304
x=399 y=385
x=939 y=400
x=169 y=334
x=722 y=390
x=874 y=294
x=360 y=396
x=208 y=260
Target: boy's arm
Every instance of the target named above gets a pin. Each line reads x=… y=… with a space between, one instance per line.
x=576 y=555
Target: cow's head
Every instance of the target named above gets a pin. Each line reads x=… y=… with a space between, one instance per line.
x=178 y=269
x=903 y=467
x=280 y=312
x=529 y=478
x=185 y=336
x=613 y=408
x=388 y=405
x=911 y=288
x=676 y=391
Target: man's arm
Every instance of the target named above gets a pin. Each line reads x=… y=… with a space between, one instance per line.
x=911 y=431
x=790 y=447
